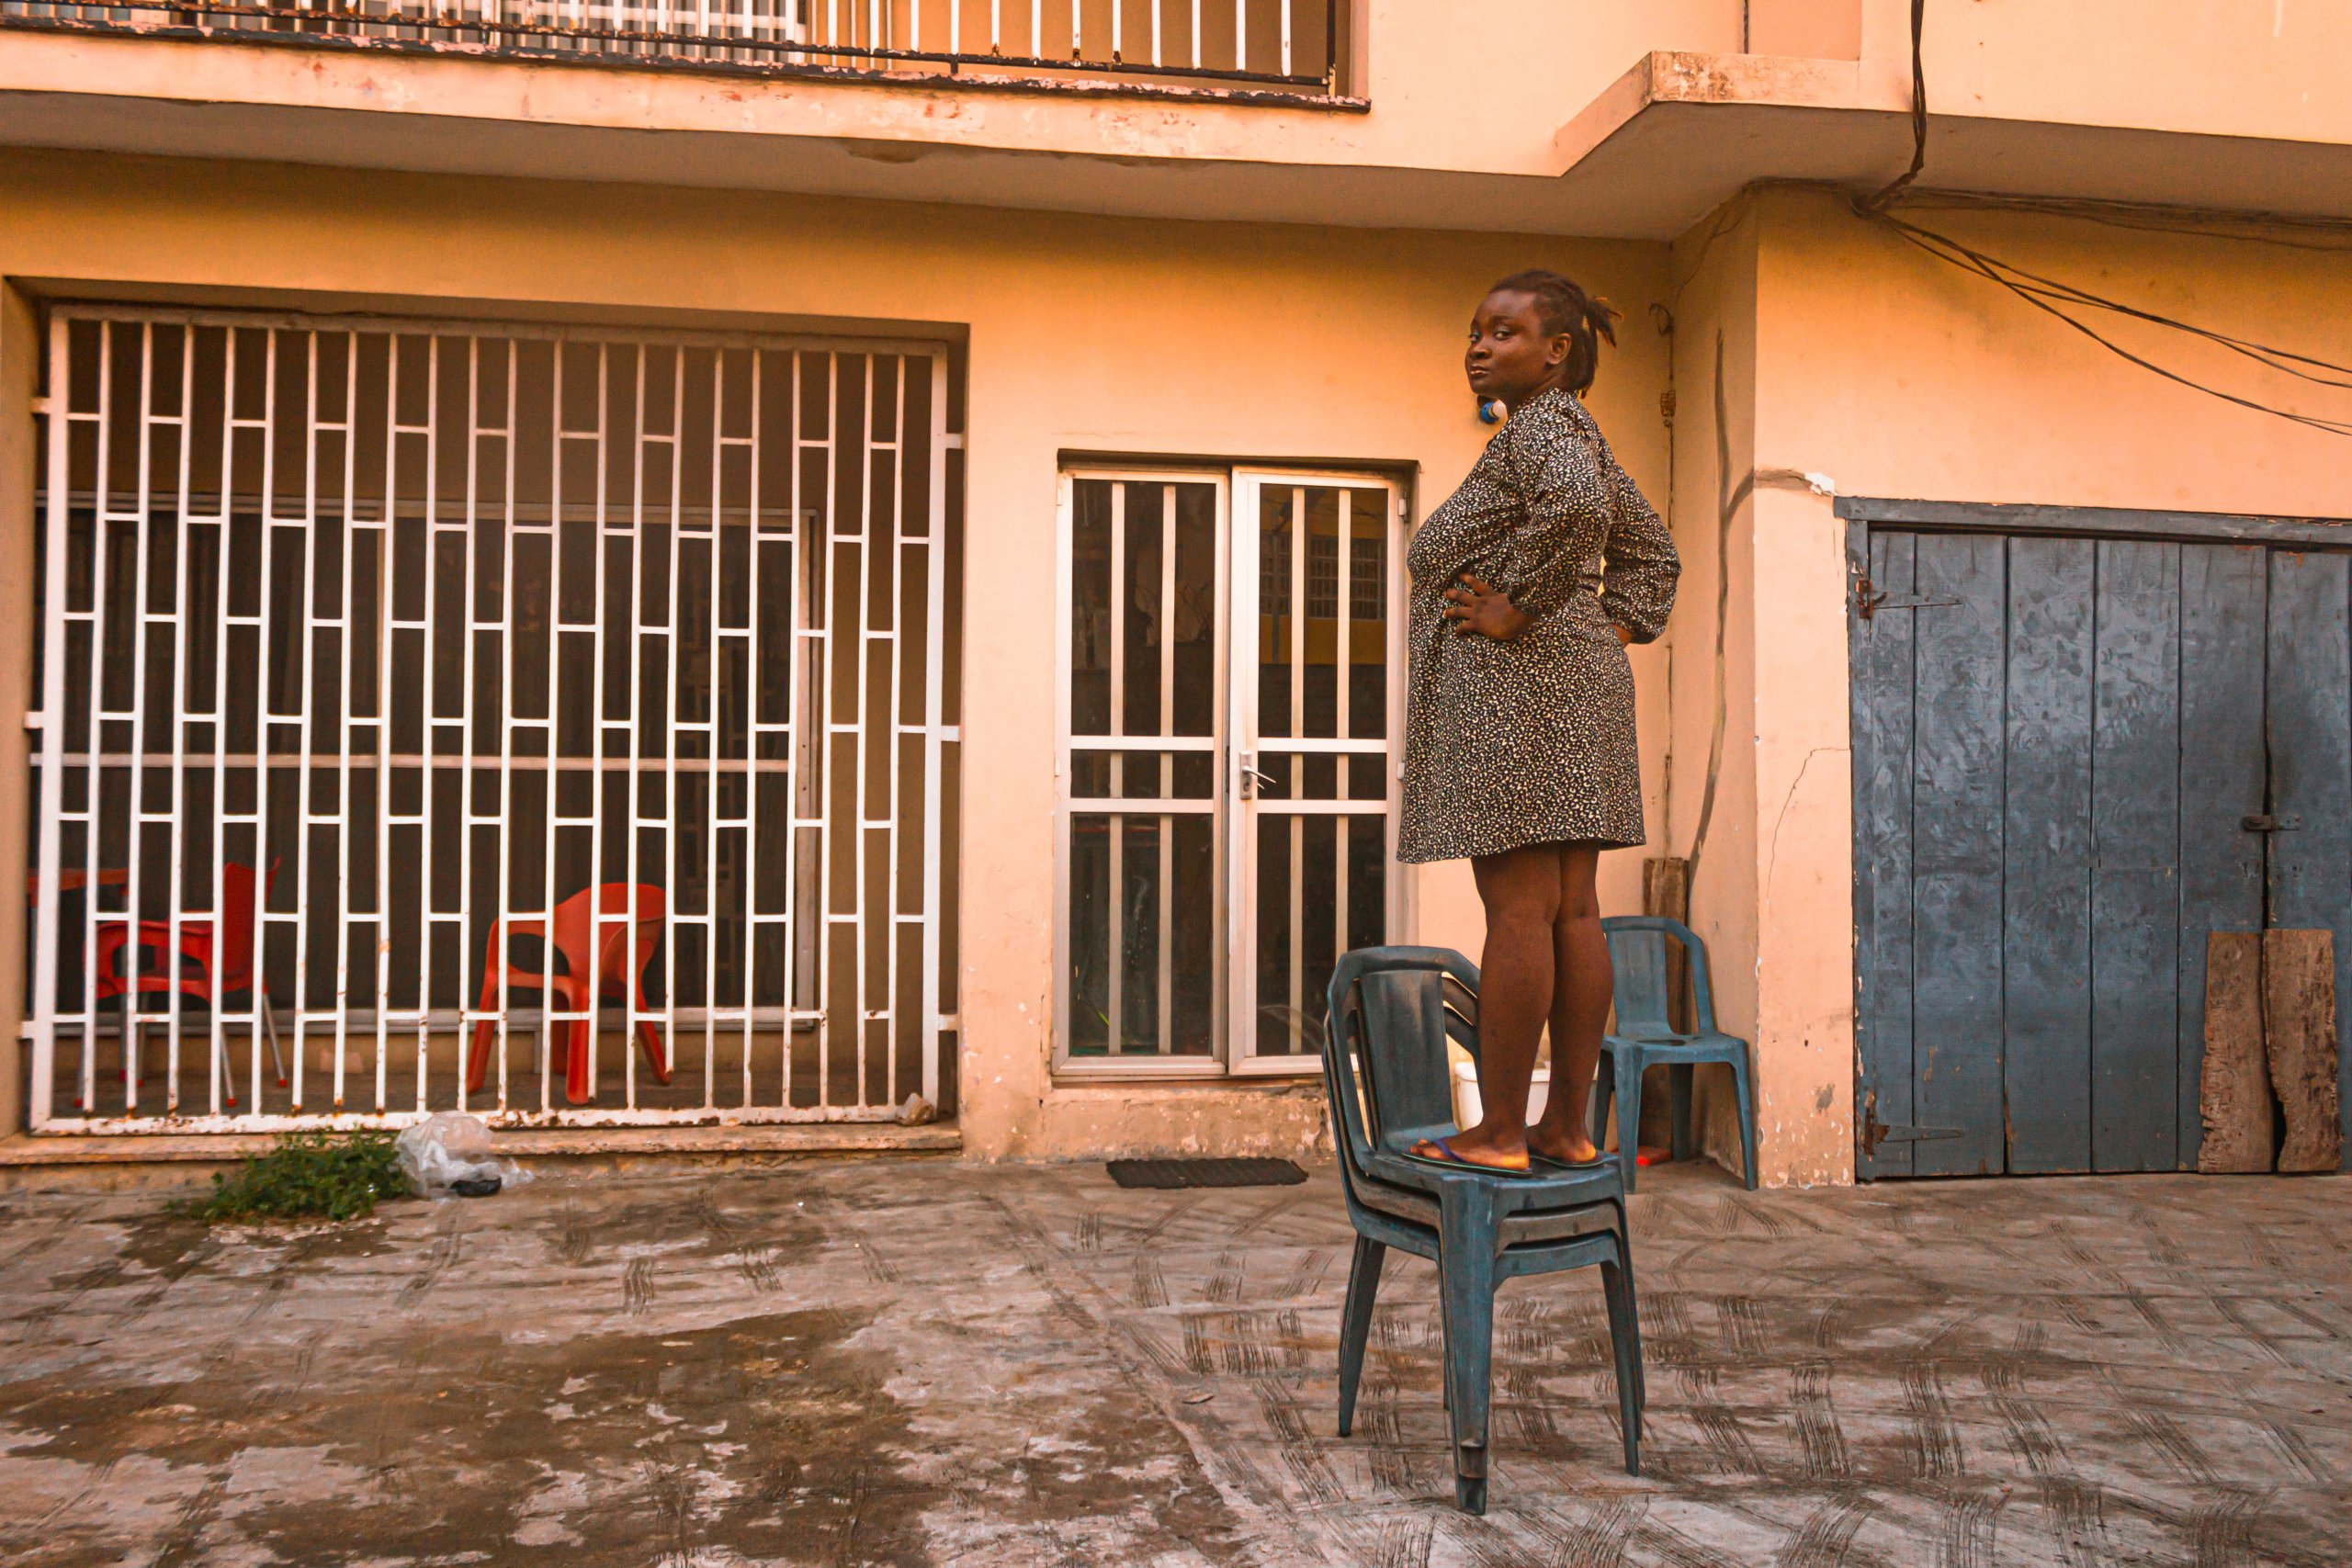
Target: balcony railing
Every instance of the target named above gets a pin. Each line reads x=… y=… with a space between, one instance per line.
x=1291 y=49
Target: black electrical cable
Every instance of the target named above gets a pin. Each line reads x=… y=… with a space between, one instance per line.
x=1901 y=182
x=2053 y=297
x=2047 y=298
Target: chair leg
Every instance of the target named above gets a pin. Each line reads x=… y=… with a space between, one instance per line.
x=1746 y=1116
x=577 y=1090
x=1629 y=1114
x=478 y=1059
x=1355 y=1324
x=1624 y=1342
x=269 y=1026
x=1678 y=1077
x=1467 y=1246
x=1602 y=1091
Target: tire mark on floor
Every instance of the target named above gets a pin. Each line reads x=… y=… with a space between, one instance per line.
x=1666 y=1329
x=1971 y=1523
x=753 y=1256
x=1404 y=1542
x=2158 y=1325
x=1595 y=1538
x=637 y=1287
x=185 y=1543
x=1307 y=1278
x=2079 y=1511
x=2156 y=1430
x=1529 y=1411
x=1225 y=1285
x=2004 y=1380
x=575 y=1238
x=878 y=1269
x=2297 y=1452
x=447 y=1246
x=1304 y=1462
x=1392 y=1463
x=1718 y=1424
x=1826 y=1537
x=1148 y=1287
x=2222 y=1532
x=1934 y=1444
x=1820 y=1440
x=1743 y=1326
x=1087 y=1234
x=2235 y=1312
x=1167 y=1216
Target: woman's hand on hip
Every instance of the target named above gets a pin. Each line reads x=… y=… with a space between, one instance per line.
x=1479 y=609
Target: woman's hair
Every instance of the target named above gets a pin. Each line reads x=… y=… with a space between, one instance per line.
x=1562 y=307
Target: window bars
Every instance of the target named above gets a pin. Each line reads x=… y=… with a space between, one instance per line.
x=1292 y=47
x=428 y=710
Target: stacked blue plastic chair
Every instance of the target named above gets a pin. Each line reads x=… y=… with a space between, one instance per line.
x=1644 y=1036
x=1392 y=1010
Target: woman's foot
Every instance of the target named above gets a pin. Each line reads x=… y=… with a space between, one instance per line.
x=1561 y=1146
x=1472 y=1148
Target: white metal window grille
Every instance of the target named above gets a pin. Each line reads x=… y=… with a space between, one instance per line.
x=555 y=724
x=1314 y=866
x=1291 y=47
x=1217 y=857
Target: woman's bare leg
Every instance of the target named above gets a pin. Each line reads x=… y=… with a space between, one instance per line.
x=1520 y=889
x=1580 y=998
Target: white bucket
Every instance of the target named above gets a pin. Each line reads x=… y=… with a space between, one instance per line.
x=1468 y=1108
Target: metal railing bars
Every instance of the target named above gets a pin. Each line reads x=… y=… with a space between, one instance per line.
x=726 y=40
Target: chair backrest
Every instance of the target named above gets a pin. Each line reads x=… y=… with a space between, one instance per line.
x=1392 y=1010
x=241 y=902
x=1638 y=952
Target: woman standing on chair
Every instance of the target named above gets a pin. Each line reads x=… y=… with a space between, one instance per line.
x=1526 y=585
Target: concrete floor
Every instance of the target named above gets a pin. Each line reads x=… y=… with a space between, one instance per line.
x=925 y=1363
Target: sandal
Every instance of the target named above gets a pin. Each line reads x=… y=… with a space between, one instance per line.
x=1447 y=1160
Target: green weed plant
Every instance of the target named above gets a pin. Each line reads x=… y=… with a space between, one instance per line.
x=307 y=1176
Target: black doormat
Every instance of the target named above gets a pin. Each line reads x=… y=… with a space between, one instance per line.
x=1206 y=1173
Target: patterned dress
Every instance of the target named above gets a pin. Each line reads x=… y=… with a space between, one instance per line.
x=1532 y=741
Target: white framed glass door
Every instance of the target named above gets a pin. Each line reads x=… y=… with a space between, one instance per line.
x=1228 y=686
x=1314 y=708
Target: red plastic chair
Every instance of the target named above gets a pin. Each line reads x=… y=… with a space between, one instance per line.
x=571 y=939
x=216 y=972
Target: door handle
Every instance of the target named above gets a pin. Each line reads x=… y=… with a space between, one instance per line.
x=2265 y=824
x=1252 y=780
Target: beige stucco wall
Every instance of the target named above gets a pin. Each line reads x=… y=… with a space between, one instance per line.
x=1896 y=376
x=1083 y=335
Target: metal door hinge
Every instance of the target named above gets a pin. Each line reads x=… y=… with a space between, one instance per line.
x=2261 y=823
x=1875 y=1132
x=1868 y=600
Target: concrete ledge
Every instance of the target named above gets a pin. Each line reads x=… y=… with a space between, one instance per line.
x=135 y=1159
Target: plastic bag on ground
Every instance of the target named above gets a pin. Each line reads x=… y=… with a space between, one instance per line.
x=447 y=1154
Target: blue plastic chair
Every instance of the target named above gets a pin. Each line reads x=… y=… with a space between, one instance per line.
x=1646 y=1036
x=1385 y=1064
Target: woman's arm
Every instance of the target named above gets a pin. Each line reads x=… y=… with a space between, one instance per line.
x=1637 y=582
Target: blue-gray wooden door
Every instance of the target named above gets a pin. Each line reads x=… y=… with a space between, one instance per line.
x=2057 y=743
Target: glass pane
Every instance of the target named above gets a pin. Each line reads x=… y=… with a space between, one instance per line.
x=1142 y=963
x=1140 y=516
x=1277 y=625
x=1194 y=617
x=1090 y=608
x=1367 y=627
